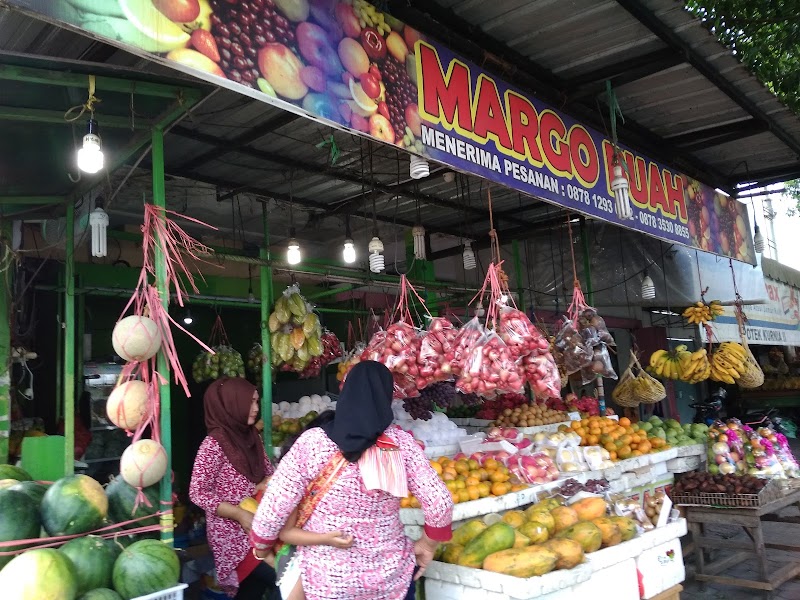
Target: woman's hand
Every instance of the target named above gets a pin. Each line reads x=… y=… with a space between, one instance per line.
x=338 y=539
x=268 y=556
x=424 y=549
x=245 y=519
x=263 y=485
x=226 y=510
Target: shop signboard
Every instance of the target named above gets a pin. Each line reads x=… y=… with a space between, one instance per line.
x=774 y=323
x=348 y=64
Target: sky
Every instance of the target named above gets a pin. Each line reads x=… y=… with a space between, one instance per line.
x=787 y=228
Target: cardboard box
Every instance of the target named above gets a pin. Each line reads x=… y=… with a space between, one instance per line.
x=661 y=568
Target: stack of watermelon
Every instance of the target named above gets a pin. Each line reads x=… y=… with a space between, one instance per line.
x=86 y=567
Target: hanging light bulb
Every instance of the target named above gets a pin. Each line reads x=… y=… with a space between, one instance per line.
x=90 y=156
x=349 y=252
x=187 y=318
x=469 y=257
x=376 y=261
x=293 y=255
x=98 y=221
x=758 y=241
x=648 y=287
x=620 y=187
x=419 y=167
x=418 y=231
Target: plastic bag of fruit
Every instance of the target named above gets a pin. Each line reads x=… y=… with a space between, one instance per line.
x=569 y=457
x=761 y=457
x=489 y=369
x=541 y=372
x=722 y=458
x=436 y=352
x=519 y=333
x=465 y=340
x=600 y=367
x=404 y=386
x=784 y=453
x=573 y=351
x=589 y=317
x=536 y=469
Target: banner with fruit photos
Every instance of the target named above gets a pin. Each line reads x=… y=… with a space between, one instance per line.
x=357 y=68
x=776 y=322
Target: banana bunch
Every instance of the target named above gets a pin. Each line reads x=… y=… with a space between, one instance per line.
x=700 y=312
x=729 y=362
x=698 y=368
x=645 y=386
x=680 y=363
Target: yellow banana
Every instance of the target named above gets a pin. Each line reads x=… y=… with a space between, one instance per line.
x=656 y=357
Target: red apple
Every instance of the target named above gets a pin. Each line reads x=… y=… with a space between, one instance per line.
x=370 y=85
x=411 y=35
x=179 y=11
x=380 y=128
x=413 y=119
x=281 y=68
x=314 y=46
x=374 y=44
x=347 y=18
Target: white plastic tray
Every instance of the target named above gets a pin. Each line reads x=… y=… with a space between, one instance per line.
x=173 y=593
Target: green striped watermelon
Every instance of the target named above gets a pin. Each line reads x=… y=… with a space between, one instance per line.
x=19 y=520
x=122 y=499
x=145 y=567
x=41 y=574
x=101 y=594
x=74 y=504
x=7 y=483
x=32 y=489
x=93 y=559
x=12 y=472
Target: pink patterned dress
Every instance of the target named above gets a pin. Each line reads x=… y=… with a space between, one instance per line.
x=381 y=561
x=214 y=480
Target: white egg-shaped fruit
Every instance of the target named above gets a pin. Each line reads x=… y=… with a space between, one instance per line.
x=127 y=404
x=143 y=463
x=136 y=338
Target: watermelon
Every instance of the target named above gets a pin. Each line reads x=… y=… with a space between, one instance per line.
x=74 y=504
x=12 y=472
x=7 y=483
x=122 y=499
x=19 y=520
x=41 y=574
x=145 y=567
x=93 y=559
x=32 y=489
x=101 y=594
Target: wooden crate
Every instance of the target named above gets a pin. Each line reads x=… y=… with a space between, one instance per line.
x=673 y=593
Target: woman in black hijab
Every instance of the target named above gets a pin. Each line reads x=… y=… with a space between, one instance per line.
x=349 y=476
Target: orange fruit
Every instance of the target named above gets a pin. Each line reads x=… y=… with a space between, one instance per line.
x=454 y=495
x=405 y=503
x=612 y=454
x=483 y=474
x=437 y=467
x=474 y=465
x=474 y=492
x=460 y=485
x=414 y=502
x=491 y=464
x=485 y=489
x=471 y=481
x=500 y=488
x=624 y=452
x=463 y=496
x=624 y=421
x=610 y=448
x=592 y=440
x=448 y=476
x=575 y=425
x=519 y=487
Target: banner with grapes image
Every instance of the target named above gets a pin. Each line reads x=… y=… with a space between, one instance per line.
x=355 y=67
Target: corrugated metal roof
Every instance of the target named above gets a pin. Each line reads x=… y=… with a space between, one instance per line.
x=242 y=146
x=775 y=270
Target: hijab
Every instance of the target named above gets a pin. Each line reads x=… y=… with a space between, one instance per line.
x=227 y=406
x=364 y=409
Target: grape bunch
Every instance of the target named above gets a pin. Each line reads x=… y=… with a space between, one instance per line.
x=241 y=29
x=400 y=92
x=470 y=399
x=419 y=408
x=573 y=486
x=441 y=394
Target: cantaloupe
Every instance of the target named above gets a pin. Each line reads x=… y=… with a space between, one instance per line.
x=143 y=463
x=136 y=338
x=127 y=404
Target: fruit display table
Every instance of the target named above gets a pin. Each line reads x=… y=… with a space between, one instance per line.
x=751 y=520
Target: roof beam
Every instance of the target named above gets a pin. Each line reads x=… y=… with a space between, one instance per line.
x=744 y=128
x=757 y=179
x=650 y=20
x=339 y=174
x=626 y=71
x=35 y=115
x=223 y=147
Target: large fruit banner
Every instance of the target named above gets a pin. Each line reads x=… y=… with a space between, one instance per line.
x=348 y=63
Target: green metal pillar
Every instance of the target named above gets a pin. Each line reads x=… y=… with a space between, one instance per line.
x=160 y=200
x=265 y=279
x=518 y=276
x=5 y=352
x=69 y=345
x=60 y=346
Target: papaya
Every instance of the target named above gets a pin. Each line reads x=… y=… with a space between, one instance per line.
x=297 y=305
x=570 y=552
x=590 y=509
x=520 y=540
x=464 y=534
x=547 y=504
x=587 y=534
x=536 y=531
x=515 y=518
x=522 y=562
x=627 y=527
x=609 y=531
x=543 y=517
x=452 y=553
x=564 y=517
x=274 y=323
x=297 y=338
x=494 y=538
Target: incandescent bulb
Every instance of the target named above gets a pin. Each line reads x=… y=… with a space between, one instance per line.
x=349 y=252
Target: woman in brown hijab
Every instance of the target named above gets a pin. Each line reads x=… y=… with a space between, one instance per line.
x=230 y=466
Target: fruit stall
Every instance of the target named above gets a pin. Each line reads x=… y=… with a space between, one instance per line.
x=483 y=260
